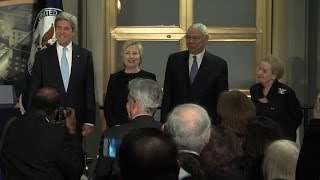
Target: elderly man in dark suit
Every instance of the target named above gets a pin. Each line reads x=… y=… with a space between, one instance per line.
x=194 y=75
x=69 y=69
x=144 y=98
x=35 y=148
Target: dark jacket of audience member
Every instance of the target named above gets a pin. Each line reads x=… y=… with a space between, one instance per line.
x=309 y=157
x=34 y=148
x=148 y=154
x=260 y=133
x=220 y=158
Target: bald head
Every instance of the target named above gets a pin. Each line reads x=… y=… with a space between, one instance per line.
x=46 y=99
x=189 y=125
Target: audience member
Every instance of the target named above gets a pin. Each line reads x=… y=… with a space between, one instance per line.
x=117 y=92
x=235 y=110
x=148 y=154
x=280 y=160
x=220 y=158
x=275 y=99
x=260 y=133
x=195 y=75
x=143 y=100
x=35 y=148
x=307 y=167
x=69 y=69
x=190 y=126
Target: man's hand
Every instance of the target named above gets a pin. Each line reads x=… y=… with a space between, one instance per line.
x=70 y=120
x=316 y=109
x=86 y=129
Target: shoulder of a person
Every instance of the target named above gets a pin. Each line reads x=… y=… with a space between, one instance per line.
x=177 y=55
x=284 y=89
x=116 y=131
x=46 y=50
x=117 y=74
x=215 y=58
x=146 y=73
x=255 y=86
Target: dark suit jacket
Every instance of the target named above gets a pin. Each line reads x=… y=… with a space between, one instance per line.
x=115 y=110
x=36 y=149
x=309 y=157
x=210 y=81
x=107 y=167
x=80 y=94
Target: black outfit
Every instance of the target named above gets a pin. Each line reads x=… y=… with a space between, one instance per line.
x=283 y=106
x=35 y=149
x=115 y=110
x=80 y=94
x=210 y=81
x=234 y=173
x=309 y=157
x=191 y=163
x=107 y=167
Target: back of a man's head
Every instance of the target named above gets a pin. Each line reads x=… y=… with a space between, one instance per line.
x=46 y=99
x=190 y=126
x=148 y=154
x=147 y=92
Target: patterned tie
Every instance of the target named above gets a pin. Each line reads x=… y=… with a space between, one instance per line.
x=194 y=69
x=65 y=69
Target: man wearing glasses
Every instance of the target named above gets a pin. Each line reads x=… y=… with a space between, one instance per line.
x=194 y=75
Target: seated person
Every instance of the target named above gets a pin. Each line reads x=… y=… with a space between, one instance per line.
x=309 y=156
x=34 y=148
x=280 y=160
x=220 y=157
x=148 y=154
x=190 y=126
x=260 y=133
x=144 y=98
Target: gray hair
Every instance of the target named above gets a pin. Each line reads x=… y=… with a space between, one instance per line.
x=277 y=67
x=67 y=17
x=147 y=92
x=280 y=160
x=189 y=132
x=203 y=28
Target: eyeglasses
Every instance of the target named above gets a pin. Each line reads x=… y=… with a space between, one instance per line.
x=195 y=38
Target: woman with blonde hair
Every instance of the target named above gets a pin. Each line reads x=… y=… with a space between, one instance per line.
x=280 y=160
x=274 y=99
x=117 y=92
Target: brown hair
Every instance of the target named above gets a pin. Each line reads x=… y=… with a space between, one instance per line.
x=235 y=109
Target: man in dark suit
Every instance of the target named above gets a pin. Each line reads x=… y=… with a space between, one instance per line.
x=69 y=69
x=191 y=137
x=194 y=75
x=144 y=98
x=34 y=148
